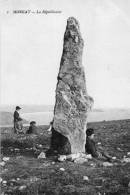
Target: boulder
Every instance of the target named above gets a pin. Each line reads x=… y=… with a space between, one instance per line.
x=72 y=100
x=42 y=155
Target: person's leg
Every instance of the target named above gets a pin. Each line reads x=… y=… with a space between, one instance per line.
x=16 y=127
x=22 y=127
x=106 y=155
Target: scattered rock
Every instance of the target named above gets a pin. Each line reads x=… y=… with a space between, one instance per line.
x=27 y=148
x=128 y=153
x=4 y=182
x=62 y=158
x=99 y=143
x=42 y=155
x=53 y=163
x=93 y=164
x=6 y=159
x=22 y=187
x=18 y=179
x=13 y=180
x=16 y=149
x=62 y=169
x=119 y=149
x=85 y=178
x=114 y=157
x=81 y=160
x=83 y=155
x=46 y=164
x=73 y=157
x=89 y=156
x=39 y=146
x=126 y=160
x=107 y=164
x=2 y=163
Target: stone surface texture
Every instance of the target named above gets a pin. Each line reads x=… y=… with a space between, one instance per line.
x=72 y=101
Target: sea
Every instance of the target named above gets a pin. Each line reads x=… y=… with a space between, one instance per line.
x=44 y=118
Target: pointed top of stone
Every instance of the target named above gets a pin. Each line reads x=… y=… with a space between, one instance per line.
x=72 y=22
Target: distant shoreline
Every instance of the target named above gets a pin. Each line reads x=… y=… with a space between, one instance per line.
x=44 y=118
x=27 y=125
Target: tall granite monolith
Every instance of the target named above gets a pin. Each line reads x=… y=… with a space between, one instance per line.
x=72 y=101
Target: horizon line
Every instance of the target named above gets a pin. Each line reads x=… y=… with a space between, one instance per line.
x=14 y=105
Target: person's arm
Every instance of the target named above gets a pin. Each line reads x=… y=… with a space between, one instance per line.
x=94 y=151
x=106 y=155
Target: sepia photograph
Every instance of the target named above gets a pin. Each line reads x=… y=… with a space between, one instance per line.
x=65 y=97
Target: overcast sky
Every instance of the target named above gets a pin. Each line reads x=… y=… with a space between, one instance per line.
x=31 y=49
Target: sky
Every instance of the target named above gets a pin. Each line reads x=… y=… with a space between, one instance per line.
x=32 y=44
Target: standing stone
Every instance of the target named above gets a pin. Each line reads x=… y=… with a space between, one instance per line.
x=72 y=101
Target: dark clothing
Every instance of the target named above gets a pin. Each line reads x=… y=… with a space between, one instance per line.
x=18 y=125
x=16 y=116
x=32 y=129
x=90 y=147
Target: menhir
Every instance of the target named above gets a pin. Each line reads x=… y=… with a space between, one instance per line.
x=72 y=101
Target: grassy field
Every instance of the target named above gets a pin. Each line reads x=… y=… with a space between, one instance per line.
x=25 y=174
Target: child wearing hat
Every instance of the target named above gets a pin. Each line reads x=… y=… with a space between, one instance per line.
x=18 y=121
x=90 y=146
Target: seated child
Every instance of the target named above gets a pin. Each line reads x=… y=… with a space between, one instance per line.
x=32 y=128
x=90 y=146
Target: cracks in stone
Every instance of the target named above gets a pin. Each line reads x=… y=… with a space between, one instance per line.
x=78 y=103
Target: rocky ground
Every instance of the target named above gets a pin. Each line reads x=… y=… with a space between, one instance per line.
x=22 y=173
